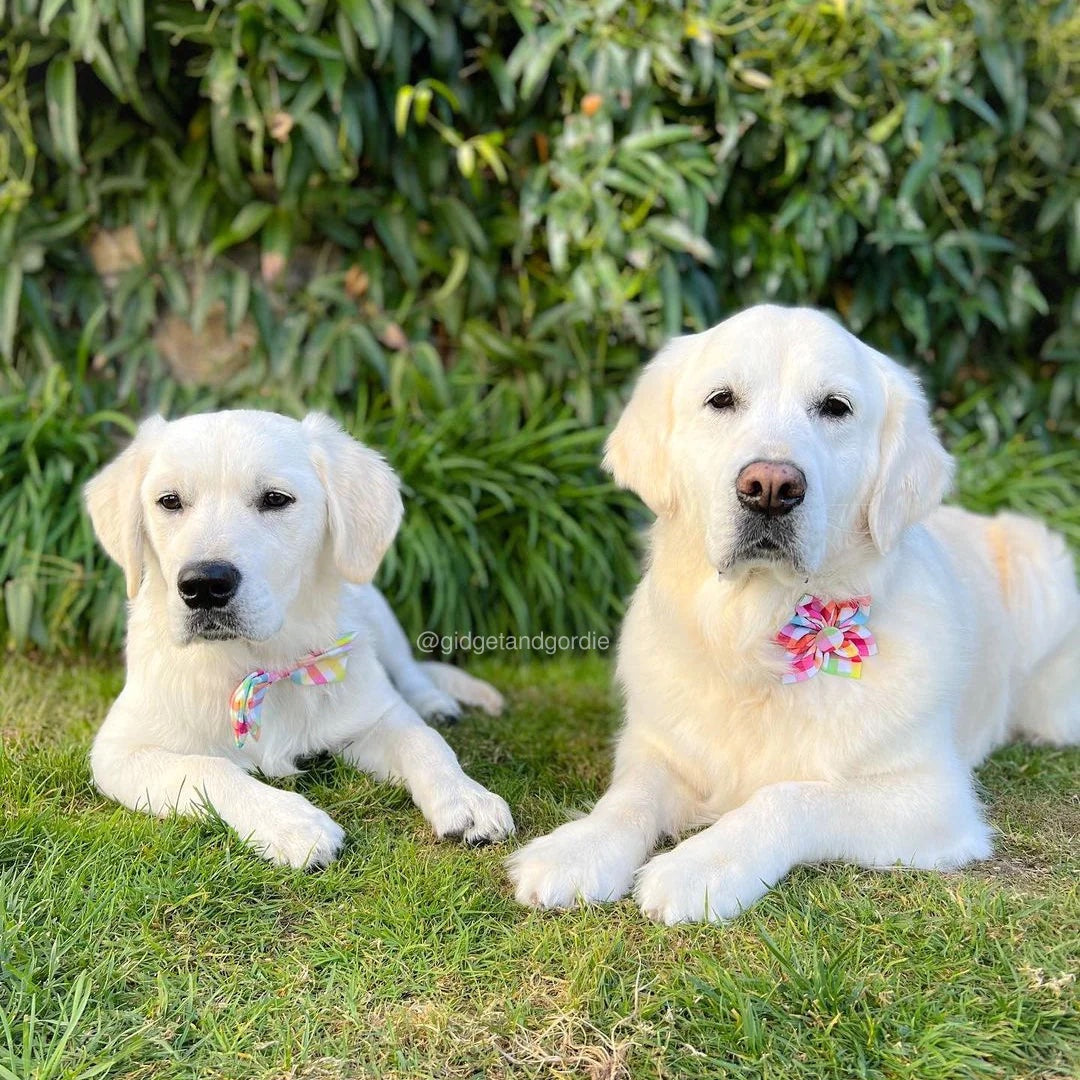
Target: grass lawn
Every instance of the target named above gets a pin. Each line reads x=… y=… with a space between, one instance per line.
x=136 y=948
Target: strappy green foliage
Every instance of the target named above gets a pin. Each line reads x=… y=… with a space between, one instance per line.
x=462 y=227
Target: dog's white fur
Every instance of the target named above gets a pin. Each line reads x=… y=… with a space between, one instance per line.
x=167 y=743
x=975 y=619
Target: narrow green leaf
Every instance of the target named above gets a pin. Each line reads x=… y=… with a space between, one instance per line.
x=419 y=13
x=362 y=16
x=11 y=277
x=322 y=140
x=678 y=235
x=880 y=131
x=246 y=223
x=970 y=179
x=60 y=104
x=402 y=105
x=293 y=10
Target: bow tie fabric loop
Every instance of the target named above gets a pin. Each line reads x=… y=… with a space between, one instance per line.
x=832 y=637
x=315 y=669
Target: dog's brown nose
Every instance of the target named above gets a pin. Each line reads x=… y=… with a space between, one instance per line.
x=771 y=487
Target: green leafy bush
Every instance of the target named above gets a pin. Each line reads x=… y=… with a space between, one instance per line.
x=462 y=226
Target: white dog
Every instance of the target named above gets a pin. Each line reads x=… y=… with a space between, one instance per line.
x=789 y=467
x=237 y=533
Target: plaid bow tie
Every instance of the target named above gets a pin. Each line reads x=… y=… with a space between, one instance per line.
x=316 y=669
x=829 y=637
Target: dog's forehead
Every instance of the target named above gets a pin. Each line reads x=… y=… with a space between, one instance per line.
x=794 y=345
x=233 y=447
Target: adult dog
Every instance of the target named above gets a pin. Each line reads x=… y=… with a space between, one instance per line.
x=238 y=533
x=817 y=654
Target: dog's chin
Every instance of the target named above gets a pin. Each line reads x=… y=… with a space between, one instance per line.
x=754 y=562
x=775 y=550
x=216 y=627
x=216 y=633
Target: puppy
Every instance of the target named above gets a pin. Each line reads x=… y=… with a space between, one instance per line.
x=817 y=655
x=248 y=540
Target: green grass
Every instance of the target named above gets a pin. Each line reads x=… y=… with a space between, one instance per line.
x=136 y=948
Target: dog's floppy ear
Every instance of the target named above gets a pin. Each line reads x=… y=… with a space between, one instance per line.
x=914 y=471
x=112 y=498
x=636 y=452
x=362 y=497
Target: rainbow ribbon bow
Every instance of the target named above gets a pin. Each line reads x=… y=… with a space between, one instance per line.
x=316 y=669
x=825 y=637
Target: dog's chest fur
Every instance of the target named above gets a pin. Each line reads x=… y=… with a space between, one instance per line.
x=706 y=693
x=193 y=688
x=298 y=722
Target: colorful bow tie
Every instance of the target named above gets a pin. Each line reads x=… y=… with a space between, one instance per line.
x=829 y=637
x=316 y=669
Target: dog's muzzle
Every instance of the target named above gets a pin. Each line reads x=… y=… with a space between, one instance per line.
x=208 y=589
x=767 y=493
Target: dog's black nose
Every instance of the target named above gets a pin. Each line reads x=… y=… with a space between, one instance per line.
x=208 y=584
x=771 y=487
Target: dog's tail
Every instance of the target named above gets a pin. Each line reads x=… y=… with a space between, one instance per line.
x=1038 y=579
x=464 y=687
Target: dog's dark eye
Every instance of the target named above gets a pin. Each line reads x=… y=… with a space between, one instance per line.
x=834 y=407
x=721 y=400
x=275 y=500
x=170 y=501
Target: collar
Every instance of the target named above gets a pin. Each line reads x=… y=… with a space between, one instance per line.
x=315 y=669
x=828 y=636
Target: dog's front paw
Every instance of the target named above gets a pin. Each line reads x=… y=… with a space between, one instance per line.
x=294 y=833
x=678 y=888
x=471 y=812
x=580 y=862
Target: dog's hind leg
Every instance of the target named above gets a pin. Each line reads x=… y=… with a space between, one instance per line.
x=464 y=687
x=1048 y=708
x=412 y=680
x=1039 y=582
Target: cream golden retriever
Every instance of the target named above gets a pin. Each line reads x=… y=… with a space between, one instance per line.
x=247 y=540
x=818 y=654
